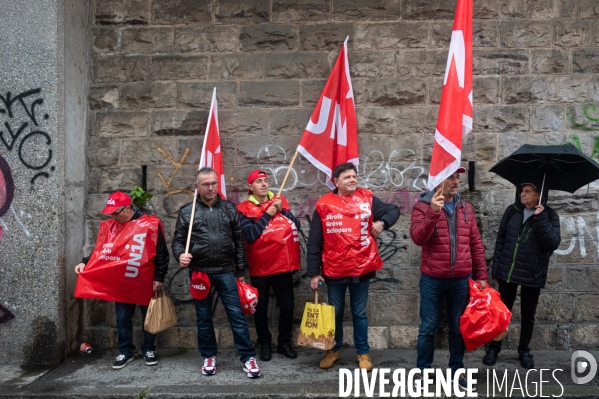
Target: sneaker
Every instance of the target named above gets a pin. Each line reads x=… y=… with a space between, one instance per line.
x=418 y=383
x=330 y=358
x=464 y=383
x=251 y=367
x=364 y=362
x=150 y=358
x=209 y=367
x=121 y=361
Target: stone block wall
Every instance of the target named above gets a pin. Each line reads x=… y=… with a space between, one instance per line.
x=536 y=66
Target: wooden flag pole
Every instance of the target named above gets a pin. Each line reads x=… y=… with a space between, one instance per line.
x=287 y=174
x=193 y=211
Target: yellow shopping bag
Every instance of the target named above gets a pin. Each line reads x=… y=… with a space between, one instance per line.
x=318 y=325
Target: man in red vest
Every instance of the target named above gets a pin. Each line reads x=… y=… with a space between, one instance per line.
x=343 y=252
x=137 y=237
x=271 y=234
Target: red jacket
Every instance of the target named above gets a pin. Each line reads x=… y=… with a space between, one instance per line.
x=430 y=231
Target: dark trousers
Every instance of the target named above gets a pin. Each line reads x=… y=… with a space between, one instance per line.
x=434 y=292
x=282 y=286
x=225 y=285
x=124 y=316
x=529 y=298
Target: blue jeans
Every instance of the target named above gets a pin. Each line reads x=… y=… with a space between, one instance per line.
x=433 y=291
x=226 y=286
x=358 y=299
x=124 y=315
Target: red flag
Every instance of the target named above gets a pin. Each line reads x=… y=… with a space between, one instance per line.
x=331 y=137
x=211 y=151
x=455 y=113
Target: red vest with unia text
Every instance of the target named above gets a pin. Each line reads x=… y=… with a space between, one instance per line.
x=121 y=267
x=349 y=248
x=277 y=250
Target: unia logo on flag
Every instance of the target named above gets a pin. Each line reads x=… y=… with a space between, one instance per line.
x=455 y=112
x=331 y=137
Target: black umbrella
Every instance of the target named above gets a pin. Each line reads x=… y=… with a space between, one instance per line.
x=564 y=167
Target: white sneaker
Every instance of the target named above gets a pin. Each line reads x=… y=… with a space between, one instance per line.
x=251 y=367
x=209 y=367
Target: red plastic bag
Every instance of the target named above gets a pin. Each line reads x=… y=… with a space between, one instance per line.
x=485 y=317
x=248 y=296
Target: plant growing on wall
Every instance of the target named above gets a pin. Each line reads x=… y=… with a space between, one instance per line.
x=140 y=197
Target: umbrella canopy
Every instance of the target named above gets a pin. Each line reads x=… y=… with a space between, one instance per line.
x=565 y=168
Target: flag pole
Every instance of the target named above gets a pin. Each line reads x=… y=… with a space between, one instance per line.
x=202 y=163
x=287 y=174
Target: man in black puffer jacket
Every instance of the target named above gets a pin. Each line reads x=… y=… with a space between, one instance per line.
x=528 y=235
x=217 y=249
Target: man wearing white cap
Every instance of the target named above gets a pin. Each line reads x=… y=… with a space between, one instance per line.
x=125 y=223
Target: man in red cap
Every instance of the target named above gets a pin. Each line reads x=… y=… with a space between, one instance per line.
x=443 y=224
x=125 y=219
x=272 y=248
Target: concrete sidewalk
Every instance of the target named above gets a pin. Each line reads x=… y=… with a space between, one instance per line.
x=178 y=375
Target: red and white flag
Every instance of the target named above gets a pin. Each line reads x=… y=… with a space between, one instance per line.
x=331 y=137
x=211 y=151
x=455 y=113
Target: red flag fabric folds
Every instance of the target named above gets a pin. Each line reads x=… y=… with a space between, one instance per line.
x=121 y=267
x=211 y=150
x=455 y=113
x=331 y=137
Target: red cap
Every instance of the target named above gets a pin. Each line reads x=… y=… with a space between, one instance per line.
x=200 y=285
x=115 y=201
x=461 y=170
x=255 y=175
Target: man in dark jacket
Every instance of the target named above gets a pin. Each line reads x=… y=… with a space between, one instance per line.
x=120 y=209
x=342 y=252
x=528 y=234
x=452 y=250
x=217 y=250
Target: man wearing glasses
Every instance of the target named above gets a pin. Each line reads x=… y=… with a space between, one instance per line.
x=216 y=248
x=134 y=243
x=272 y=246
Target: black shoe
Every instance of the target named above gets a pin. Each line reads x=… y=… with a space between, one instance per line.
x=490 y=357
x=287 y=351
x=121 y=361
x=265 y=353
x=526 y=360
x=150 y=358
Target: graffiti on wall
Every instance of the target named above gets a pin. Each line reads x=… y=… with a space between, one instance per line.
x=23 y=139
x=167 y=183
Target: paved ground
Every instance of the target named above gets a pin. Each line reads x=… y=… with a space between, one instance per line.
x=178 y=375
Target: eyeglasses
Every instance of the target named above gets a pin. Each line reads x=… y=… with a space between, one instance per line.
x=115 y=214
x=207 y=185
x=528 y=191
